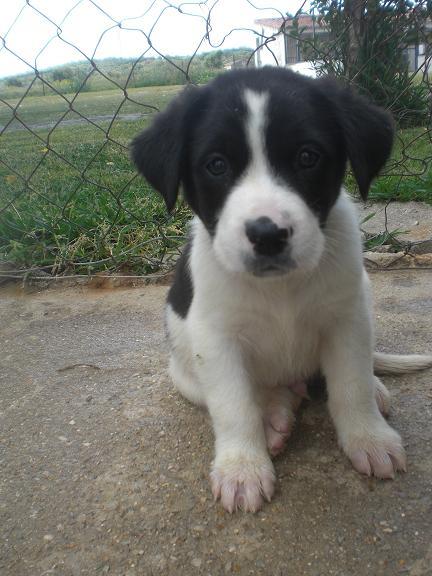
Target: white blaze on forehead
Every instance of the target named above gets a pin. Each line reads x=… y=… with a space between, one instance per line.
x=261 y=192
x=256 y=121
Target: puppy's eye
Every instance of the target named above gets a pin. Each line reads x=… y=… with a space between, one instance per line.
x=217 y=166
x=307 y=158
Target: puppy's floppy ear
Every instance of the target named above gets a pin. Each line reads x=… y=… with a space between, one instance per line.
x=158 y=152
x=368 y=133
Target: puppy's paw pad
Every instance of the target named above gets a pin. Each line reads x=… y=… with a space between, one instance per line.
x=242 y=484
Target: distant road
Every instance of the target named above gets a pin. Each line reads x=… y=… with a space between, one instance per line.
x=16 y=125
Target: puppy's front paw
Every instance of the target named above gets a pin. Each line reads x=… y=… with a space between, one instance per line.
x=375 y=450
x=242 y=482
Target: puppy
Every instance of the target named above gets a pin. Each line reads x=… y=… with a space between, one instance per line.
x=270 y=289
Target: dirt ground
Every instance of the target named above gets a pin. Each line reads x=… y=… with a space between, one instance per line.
x=104 y=468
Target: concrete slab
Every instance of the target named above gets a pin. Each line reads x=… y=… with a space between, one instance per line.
x=104 y=467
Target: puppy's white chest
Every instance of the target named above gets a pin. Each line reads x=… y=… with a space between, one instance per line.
x=281 y=345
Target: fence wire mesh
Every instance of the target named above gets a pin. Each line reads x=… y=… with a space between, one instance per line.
x=71 y=202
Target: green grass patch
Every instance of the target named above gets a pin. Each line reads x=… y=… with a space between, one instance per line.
x=408 y=174
x=387 y=237
x=71 y=200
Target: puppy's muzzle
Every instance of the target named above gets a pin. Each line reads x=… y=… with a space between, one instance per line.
x=267 y=238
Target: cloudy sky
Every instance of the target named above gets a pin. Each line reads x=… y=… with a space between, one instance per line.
x=45 y=33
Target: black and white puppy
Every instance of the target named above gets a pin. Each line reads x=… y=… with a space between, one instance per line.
x=271 y=289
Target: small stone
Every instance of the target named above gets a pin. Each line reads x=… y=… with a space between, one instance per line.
x=48 y=537
x=196 y=562
x=72 y=422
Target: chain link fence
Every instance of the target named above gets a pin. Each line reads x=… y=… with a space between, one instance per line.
x=71 y=202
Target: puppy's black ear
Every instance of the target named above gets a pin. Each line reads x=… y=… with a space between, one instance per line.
x=158 y=152
x=368 y=132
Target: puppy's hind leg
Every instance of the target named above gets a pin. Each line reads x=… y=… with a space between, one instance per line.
x=180 y=364
x=279 y=405
x=382 y=397
x=281 y=402
x=185 y=381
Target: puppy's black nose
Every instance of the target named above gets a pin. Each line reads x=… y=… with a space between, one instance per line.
x=266 y=236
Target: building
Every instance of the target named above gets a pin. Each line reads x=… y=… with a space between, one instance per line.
x=286 y=49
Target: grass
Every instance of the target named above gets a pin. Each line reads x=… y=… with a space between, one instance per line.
x=70 y=200
x=409 y=170
x=408 y=174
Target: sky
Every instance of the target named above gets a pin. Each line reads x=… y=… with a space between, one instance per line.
x=46 y=33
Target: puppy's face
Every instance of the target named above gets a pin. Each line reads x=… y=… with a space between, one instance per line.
x=266 y=166
x=261 y=155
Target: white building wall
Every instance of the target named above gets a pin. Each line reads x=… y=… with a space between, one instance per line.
x=263 y=56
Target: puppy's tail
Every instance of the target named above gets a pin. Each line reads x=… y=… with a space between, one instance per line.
x=400 y=364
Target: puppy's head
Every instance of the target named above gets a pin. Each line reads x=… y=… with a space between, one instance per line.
x=261 y=155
